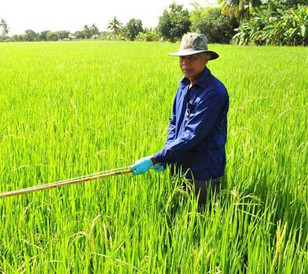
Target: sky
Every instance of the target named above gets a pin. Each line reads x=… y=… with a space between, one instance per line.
x=72 y=15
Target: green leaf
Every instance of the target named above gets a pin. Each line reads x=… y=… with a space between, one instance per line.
x=303 y=31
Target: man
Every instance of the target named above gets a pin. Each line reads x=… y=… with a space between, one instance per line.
x=197 y=132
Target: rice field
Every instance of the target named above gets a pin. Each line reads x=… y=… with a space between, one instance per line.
x=76 y=108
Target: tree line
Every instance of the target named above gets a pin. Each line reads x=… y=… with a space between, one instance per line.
x=259 y=22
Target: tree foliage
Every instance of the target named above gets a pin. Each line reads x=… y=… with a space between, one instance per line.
x=217 y=27
x=259 y=22
x=43 y=35
x=283 y=4
x=17 y=38
x=240 y=9
x=174 y=23
x=115 y=25
x=148 y=35
x=275 y=27
x=31 y=35
x=5 y=29
x=89 y=32
x=133 y=28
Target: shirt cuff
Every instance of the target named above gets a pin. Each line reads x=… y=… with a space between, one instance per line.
x=158 y=157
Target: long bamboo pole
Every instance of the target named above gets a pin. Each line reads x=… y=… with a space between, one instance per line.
x=66 y=182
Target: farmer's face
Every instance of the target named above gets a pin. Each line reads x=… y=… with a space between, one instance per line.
x=193 y=65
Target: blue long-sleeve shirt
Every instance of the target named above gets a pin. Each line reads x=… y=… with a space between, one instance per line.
x=197 y=131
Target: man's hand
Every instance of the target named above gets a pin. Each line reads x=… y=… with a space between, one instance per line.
x=142 y=165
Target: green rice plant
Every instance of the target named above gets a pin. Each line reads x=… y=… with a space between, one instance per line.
x=70 y=109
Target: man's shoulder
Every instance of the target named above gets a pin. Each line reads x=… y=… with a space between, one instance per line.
x=218 y=86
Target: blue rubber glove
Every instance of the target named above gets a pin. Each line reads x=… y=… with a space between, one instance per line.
x=142 y=165
x=159 y=167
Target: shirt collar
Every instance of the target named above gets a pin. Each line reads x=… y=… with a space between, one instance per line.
x=202 y=80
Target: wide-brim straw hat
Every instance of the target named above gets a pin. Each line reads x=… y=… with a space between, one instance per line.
x=193 y=43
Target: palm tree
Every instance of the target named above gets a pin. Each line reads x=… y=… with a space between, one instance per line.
x=239 y=8
x=87 y=32
x=115 y=25
x=5 y=29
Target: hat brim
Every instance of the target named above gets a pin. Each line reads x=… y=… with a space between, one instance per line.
x=180 y=53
